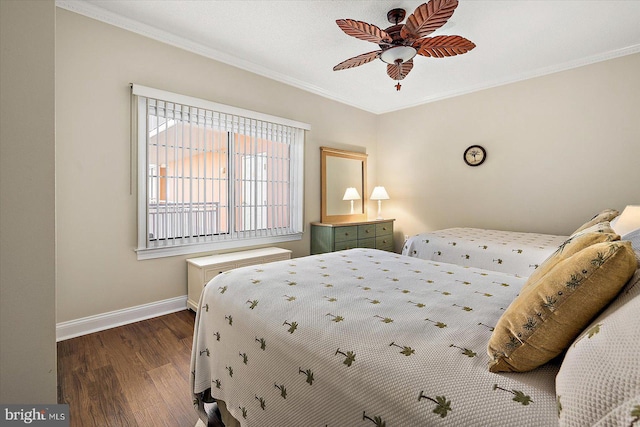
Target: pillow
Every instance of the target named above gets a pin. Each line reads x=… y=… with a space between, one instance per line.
x=599 y=379
x=597 y=233
x=614 y=221
x=543 y=320
x=605 y=215
x=600 y=227
x=634 y=238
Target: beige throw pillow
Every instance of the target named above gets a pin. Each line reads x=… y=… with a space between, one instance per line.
x=547 y=316
x=601 y=232
x=605 y=215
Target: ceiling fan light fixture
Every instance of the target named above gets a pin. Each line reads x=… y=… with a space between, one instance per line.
x=402 y=53
x=400 y=43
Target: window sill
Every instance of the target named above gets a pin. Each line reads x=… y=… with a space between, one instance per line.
x=168 y=251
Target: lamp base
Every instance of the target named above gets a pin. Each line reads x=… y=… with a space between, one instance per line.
x=379 y=210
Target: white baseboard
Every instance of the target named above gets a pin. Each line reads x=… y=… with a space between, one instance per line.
x=100 y=322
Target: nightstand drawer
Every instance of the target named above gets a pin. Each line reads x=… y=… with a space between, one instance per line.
x=367 y=243
x=384 y=242
x=366 y=231
x=343 y=234
x=349 y=244
x=384 y=229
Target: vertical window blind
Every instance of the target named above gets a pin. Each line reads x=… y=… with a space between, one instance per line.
x=212 y=176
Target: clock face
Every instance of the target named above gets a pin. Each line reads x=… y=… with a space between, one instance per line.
x=475 y=155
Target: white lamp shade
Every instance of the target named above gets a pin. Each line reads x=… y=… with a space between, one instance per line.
x=379 y=193
x=351 y=194
x=628 y=221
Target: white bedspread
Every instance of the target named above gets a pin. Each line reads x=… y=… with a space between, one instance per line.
x=506 y=251
x=360 y=338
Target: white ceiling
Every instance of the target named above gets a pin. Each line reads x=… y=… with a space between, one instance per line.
x=298 y=42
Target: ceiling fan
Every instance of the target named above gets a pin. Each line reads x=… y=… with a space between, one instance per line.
x=401 y=42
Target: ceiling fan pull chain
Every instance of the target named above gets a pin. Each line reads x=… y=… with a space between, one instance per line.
x=399 y=65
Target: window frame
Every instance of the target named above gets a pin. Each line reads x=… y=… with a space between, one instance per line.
x=234 y=240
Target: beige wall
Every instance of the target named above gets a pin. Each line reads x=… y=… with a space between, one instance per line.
x=96 y=213
x=560 y=148
x=27 y=188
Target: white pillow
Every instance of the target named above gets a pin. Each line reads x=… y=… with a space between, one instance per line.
x=634 y=238
x=599 y=380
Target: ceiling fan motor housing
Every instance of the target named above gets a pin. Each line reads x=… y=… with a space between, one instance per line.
x=394 y=33
x=395 y=16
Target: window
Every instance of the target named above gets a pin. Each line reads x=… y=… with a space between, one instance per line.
x=211 y=176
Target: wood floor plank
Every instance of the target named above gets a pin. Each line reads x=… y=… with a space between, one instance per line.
x=182 y=325
x=160 y=415
x=153 y=354
x=85 y=352
x=183 y=357
x=138 y=388
x=179 y=354
x=165 y=378
x=133 y=375
x=113 y=407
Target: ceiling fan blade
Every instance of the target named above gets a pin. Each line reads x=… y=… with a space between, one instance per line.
x=399 y=71
x=427 y=18
x=358 y=60
x=443 y=46
x=363 y=31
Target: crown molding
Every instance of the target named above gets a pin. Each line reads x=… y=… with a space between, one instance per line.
x=605 y=56
x=91 y=11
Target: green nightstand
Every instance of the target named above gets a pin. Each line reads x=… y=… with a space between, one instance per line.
x=376 y=234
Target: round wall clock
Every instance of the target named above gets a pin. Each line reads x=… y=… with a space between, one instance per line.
x=475 y=155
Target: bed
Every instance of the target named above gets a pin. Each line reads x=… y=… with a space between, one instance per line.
x=361 y=333
x=365 y=337
x=511 y=252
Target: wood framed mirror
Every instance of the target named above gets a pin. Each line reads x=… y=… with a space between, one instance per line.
x=341 y=170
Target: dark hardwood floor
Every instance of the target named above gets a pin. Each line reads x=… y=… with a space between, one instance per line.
x=133 y=375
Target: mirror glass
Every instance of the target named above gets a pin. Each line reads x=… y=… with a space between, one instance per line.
x=343 y=174
x=343 y=177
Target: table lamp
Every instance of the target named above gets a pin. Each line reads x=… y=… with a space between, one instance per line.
x=351 y=194
x=379 y=194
